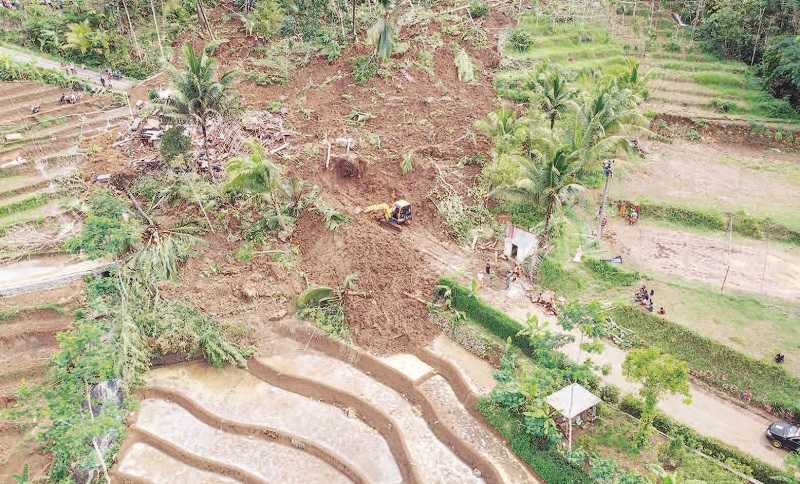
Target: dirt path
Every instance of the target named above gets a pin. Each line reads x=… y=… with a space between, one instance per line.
x=709 y=414
x=86 y=74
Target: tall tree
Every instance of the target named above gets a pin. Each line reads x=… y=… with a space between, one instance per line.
x=555 y=95
x=658 y=373
x=197 y=97
x=547 y=179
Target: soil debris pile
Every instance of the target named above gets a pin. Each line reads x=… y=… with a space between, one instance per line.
x=382 y=312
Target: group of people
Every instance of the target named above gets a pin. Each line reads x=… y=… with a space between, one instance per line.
x=645 y=299
x=510 y=276
x=69 y=99
x=69 y=69
x=629 y=211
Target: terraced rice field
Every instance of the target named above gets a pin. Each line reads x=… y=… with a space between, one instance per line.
x=310 y=409
x=39 y=284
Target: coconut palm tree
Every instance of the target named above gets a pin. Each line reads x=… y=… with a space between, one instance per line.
x=198 y=98
x=547 y=180
x=600 y=121
x=555 y=95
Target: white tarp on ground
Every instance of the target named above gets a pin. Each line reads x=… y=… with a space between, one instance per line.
x=582 y=400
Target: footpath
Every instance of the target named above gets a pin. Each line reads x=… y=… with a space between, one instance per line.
x=88 y=75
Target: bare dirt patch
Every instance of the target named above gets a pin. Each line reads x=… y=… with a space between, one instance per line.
x=756 y=267
x=389 y=269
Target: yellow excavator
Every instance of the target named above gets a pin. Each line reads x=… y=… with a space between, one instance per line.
x=392 y=215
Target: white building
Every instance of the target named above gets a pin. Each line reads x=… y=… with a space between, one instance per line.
x=520 y=244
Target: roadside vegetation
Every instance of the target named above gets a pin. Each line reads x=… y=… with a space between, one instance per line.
x=612 y=449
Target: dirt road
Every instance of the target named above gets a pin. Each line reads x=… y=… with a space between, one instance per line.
x=707 y=413
x=86 y=74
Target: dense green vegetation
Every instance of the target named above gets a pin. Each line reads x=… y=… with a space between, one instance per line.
x=715 y=363
x=516 y=410
x=109 y=228
x=712 y=447
x=549 y=464
x=15 y=71
x=123 y=326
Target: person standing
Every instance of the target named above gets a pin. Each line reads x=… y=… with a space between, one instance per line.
x=488 y=268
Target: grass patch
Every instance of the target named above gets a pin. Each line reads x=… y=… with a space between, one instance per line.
x=553 y=276
x=715 y=363
x=743 y=224
x=609 y=273
x=29 y=203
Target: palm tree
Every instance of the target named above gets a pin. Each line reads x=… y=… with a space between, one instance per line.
x=547 y=179
x=196 y=96
x=555 y=94
x=599 y=121
x=258 y=175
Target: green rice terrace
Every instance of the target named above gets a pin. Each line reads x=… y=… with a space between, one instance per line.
x=453 y=241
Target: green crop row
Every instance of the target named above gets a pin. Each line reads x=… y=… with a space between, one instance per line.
x=743 y=224
x=11 y=70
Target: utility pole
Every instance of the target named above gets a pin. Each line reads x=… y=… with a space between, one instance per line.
x=608 y=171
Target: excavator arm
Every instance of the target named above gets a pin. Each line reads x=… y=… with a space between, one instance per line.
x=385 y=207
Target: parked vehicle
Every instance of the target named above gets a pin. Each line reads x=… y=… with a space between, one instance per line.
x=783 y=435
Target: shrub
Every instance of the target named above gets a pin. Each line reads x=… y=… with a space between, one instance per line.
x=672 y=46
x=708 y=446
x=478 y=9
x=520 y=40
x=724 y=106
x=364 y=69
x=266 y=18
x=173 y=143
x=105 y=230
x=549 y=464
x=609 y=393
x=781 y=69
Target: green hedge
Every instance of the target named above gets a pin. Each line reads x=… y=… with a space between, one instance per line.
x=715 y=363
x=743 y=224
x=549 y=464
x=497 y=322
x=708 y=446
x=11 y=70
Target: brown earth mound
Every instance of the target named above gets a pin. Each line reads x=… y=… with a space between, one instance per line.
x=391 y=273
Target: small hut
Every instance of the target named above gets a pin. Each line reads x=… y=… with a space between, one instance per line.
x=574 y=403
